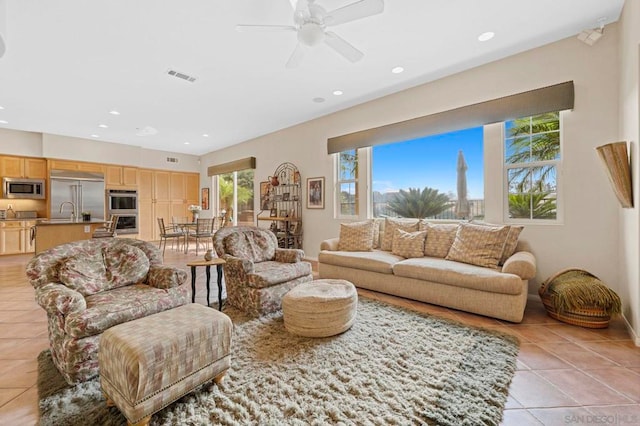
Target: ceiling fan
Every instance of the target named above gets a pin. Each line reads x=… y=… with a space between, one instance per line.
x=311 y=22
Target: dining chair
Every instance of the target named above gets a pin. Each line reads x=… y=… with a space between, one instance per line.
x=203 y=231
x=169 y=233
x=110 y=229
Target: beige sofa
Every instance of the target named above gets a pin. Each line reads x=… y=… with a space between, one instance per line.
x=498 y=292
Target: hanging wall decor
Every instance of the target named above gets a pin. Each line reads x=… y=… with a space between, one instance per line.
x=616 y=161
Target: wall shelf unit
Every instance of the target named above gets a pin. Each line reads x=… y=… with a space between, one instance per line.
x=281 y=205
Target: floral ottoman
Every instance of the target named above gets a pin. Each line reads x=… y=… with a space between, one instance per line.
x=147 y=364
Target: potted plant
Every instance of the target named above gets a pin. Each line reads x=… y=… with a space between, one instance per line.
x=86 y=216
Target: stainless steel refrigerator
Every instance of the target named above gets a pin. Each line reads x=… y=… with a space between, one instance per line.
x=85 y=190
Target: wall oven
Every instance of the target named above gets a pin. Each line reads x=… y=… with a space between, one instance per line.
x=124 y=202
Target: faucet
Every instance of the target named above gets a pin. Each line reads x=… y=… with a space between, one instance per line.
x=73 y=209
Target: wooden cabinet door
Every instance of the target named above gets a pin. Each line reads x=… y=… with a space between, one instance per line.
x=161 y=185
x=12 y=167
x=146 y=220
x=35 y=168
x=192 y=189
x=63 y=165
x=29 y=246
x=91 y=167
x=130 y=176
x=161 y=209
x=178 y=183
x=12 y=238
x=113 y=176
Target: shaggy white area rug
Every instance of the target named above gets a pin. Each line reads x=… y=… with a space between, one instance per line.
x=394 y=366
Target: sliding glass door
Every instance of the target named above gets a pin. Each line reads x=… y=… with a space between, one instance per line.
x=235 y=197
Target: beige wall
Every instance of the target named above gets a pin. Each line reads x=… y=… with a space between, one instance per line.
x=33 y=144
x=584 y=239
x=629 y=106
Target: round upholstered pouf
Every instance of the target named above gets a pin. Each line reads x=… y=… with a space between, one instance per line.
x=320 y=308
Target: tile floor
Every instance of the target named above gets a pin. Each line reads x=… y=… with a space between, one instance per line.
x=566 y=374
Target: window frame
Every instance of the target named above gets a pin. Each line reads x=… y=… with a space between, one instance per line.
x=356 y=181
x=557 y=163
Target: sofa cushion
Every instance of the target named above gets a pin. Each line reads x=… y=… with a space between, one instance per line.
x=459 y=274
x=270 y=273
x=356 y=236
x=478 y=245
x=439 y=238
x=252 y=245
x=511 y=241
x=375 y=261
x=84 y=273
x=109 y=308
x=125 y=265
x=408 y=244
x=390 y=224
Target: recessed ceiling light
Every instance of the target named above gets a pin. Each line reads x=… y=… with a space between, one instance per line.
x=104 y=126
x=1 y=107
x=318 y=100
x=204 y=135
x=486 y=36
x=187 y=143
x=397 y=70
x=114 y=112
x=337 y=92
x=95 y=136
x=4 y=122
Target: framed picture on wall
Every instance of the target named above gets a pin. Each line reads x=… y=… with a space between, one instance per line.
x=264 y=195
x=315 y=193
x=205 y=198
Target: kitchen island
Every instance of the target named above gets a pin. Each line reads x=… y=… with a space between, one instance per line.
x=52 y=232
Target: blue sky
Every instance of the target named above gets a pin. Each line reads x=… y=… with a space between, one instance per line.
x=430 y=161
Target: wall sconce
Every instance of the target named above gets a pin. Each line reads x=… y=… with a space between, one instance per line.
x=616 y=162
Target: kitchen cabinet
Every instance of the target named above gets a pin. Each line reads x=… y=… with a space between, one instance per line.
x=15 y=237
x=164 y=194
x=76 y=165
x=23 y=167
x=121 y=176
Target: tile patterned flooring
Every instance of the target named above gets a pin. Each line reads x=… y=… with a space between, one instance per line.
x=566 y=374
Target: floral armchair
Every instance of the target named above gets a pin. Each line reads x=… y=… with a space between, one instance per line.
x=89 y=286
x=257 y=272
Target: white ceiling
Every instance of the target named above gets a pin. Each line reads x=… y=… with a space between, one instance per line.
x=69 y=62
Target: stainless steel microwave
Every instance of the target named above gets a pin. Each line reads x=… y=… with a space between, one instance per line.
x=23 y=188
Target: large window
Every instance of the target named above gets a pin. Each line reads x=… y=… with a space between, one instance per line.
x=235 y=196
x=532 y=159
x=347 y=183
x=439 y=177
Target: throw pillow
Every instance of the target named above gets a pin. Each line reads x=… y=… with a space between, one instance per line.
x=390 y=225
x=478 y=245
x=84 y=273
x=511 y=242
x=356 y=236
x=125 y=265
x=408 y=244
x=439 y=238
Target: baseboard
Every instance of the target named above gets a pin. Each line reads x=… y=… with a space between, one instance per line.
x=634 y=337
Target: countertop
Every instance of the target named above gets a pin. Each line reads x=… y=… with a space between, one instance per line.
x=47 y=222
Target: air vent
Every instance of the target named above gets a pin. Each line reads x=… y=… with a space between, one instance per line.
x=172 y=160
x=181 y=75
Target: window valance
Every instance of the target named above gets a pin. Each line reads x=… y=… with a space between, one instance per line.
x=232 y=166
x=558 y=97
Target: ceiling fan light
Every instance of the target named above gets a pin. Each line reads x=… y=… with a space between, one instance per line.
x=311 y=34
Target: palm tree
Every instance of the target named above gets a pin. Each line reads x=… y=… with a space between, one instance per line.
x=533 y=139
x=419 y=204
x=532 y=206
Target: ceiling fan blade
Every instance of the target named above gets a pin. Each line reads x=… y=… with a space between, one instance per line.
x=353 y=11
x=294 y=4
x=342 y=47
x=296 y=57
x=264 y=28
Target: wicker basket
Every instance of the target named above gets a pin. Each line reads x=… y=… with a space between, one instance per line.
x=586 y=316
